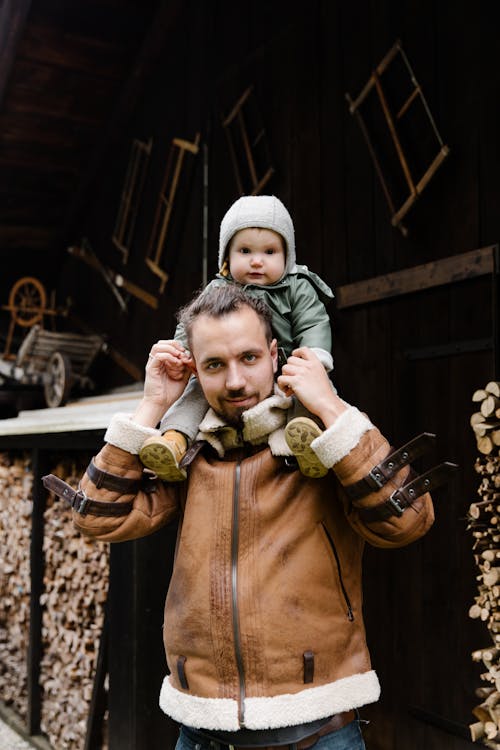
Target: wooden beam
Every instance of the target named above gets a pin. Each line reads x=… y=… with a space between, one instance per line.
x=39 y=466
x=436 y=273
x=20 y=236
x=13 y=14
x=98 y=704
x=442 y=722
x=57 y=46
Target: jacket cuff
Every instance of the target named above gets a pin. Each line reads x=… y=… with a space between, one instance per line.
x=324 y=357
x=337 y=441
x=128 y=435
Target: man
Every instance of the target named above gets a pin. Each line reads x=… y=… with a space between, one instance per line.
x=263 y=626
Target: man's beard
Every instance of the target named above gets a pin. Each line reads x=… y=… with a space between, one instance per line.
x=235 y=417
x=235 y=420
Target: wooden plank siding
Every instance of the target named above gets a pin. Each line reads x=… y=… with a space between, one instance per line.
x=417 y=599
x=301 y=61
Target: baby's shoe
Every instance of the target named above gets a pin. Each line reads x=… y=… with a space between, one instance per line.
x=299 y=434
x=163 y=454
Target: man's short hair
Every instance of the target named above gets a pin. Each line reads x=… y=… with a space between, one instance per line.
x=218 y=301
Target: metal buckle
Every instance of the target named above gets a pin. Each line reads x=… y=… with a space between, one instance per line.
x=290 y=463
x=377 y=477
x=80 y=502
x=398 y=509
x=149 y=483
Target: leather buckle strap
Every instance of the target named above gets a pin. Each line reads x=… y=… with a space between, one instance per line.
x=113 y=482
x=403 y=497
x=386 y=469
x=191 y=453
x=337 y=721
x=80 y=502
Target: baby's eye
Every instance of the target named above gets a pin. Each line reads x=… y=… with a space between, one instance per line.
x=270 y=251
x=244 y=250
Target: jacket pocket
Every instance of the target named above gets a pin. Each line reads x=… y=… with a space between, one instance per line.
x=308 y=658
x=331 y=546
x=181 y=672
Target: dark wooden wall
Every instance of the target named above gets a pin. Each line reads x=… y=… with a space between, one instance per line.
x=63 y=68
x=301 y=62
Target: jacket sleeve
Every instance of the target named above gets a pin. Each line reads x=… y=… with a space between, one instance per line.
x=352 y=446
x=309 y=319
x=152 y=507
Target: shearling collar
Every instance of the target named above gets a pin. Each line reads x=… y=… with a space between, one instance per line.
x=263 y=423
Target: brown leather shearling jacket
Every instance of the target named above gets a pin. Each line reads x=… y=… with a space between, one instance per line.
x=263 y=619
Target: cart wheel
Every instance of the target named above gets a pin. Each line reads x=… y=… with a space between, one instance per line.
x=58 y=380
x=27 y=301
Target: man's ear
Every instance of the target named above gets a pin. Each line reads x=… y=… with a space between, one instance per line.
x=273 y=349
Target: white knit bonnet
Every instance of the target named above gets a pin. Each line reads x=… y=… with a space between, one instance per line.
x=263 y=211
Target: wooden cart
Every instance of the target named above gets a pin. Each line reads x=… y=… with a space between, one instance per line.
x=54 y=361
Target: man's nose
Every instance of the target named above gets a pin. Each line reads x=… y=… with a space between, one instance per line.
x=234 y=378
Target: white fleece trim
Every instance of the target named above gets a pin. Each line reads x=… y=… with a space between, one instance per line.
x=324 y=357
x=338 y=440
x=313 y=703
x=200 y=713
x=272 y=712
x=128 y=435
x=265 y=417
x=211 y=422
x=277 y=443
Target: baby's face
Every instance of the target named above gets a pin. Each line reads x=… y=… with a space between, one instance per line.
x=257 y=256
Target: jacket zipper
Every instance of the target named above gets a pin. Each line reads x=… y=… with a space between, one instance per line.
x=350 y=613
x=234 y=594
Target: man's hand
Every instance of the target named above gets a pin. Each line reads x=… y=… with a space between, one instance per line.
x=168 y=369
x=305 y=377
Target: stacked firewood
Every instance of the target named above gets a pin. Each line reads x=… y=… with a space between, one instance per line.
x=75 y=590
x=484 y=523
x=15 y=530
x=486 y=421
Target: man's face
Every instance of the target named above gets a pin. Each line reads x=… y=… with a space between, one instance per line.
x=234 y=362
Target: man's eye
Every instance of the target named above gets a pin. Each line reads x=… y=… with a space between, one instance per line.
x=213 y=365
x=250 y=357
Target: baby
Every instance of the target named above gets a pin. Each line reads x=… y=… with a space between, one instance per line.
x=257 y=251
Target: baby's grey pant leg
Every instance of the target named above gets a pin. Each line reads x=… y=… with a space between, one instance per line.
x=187 y=412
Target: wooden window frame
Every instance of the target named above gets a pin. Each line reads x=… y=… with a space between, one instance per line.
x=415 y=187
x=130 y=199
x=179 y=148
x=236 y=120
